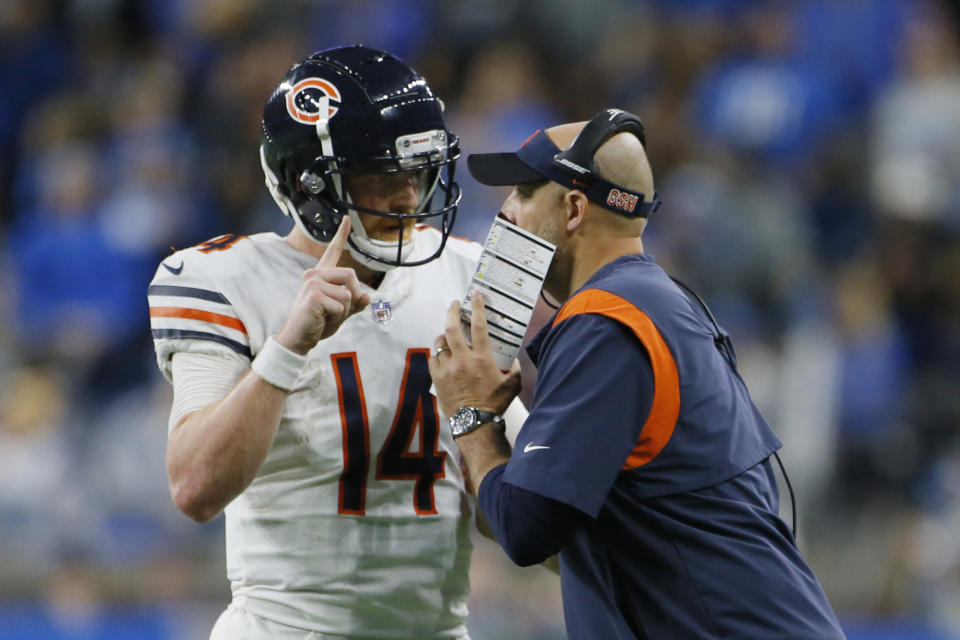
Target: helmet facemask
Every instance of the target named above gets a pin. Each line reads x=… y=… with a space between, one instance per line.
x=430 y=155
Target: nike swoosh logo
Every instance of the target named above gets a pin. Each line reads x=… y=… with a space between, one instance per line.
x=174 y=270
x=531 y=447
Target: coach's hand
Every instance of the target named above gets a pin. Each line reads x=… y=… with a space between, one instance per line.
x=328 y=296
x=468 y=376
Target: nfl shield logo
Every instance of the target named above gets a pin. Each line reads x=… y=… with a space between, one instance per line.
x=381 y=311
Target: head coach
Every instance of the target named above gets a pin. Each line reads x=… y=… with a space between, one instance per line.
x=643 y=463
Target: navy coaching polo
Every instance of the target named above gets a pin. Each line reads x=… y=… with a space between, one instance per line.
x=640 y=422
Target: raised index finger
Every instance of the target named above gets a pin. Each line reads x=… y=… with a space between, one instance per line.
x=331 y=256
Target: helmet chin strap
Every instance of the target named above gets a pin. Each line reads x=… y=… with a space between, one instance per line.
x=367 y=244
x=359 y=242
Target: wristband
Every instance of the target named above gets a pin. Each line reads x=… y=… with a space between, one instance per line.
x=278 y=365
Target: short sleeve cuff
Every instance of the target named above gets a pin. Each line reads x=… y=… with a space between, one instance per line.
x=559 y=488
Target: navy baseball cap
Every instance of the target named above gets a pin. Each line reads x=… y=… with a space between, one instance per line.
x=503 y=169
x=538 y=158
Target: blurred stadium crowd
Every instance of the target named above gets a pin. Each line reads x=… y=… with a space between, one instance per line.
x=808 y=155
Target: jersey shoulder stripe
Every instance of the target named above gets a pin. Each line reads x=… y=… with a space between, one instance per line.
x=198 y=314
x=186 y=334
x=191 y=309
x=187 y=292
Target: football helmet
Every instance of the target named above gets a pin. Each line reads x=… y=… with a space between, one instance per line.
x=358 y=110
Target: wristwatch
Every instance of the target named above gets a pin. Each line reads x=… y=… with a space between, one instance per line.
x=466 y=419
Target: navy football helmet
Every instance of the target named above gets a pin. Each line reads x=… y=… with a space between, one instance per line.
x=357 y=109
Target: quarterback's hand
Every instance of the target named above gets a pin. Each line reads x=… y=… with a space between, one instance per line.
x=328 y=296
x=468 y=376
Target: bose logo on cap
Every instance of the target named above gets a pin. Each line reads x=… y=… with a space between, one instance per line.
x=572 y=165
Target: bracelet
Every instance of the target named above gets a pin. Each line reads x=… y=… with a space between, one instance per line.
x=278 y=365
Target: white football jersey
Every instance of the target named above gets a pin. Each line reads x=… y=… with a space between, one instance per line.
x=357 y=524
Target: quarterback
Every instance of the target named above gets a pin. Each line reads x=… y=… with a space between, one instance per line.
x=302 y=404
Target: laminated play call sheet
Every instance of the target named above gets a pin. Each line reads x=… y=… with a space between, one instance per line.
x=510 y=275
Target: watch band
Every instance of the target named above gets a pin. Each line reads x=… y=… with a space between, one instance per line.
x=483 y=417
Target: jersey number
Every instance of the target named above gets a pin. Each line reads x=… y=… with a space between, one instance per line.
x=416 y=415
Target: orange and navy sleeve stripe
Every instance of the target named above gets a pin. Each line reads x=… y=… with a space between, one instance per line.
x=665 y=410
x=191 y=313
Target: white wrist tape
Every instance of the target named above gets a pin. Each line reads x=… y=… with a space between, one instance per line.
x=278 y=365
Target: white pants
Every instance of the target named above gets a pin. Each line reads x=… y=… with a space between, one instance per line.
x=238 y=624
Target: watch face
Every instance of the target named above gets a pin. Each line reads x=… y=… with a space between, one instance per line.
x=462 y=419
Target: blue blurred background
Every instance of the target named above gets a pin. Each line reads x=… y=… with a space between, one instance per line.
x=808 y=154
